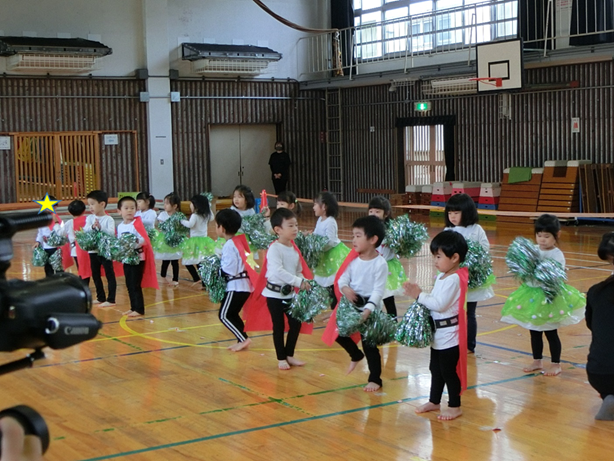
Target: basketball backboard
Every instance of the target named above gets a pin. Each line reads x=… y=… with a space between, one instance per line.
x=500 y=60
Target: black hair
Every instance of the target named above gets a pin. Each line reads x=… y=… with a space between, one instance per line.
x=606 y=247
x=381 y=203
x=329 y=200
x=548 y=223
x=127 y=198
x=372 y=226
x=280 y=215
x=290 y=197
x=246 y=192
x=147 y=197
x=278 y=143
x=464 y=204
x=76 y=207
x=229 y=219
x=201 y=205
x=99 y=196
x=173 y=199
x=450 y=242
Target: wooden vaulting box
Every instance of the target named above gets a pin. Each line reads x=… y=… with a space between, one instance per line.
x=519 y=196
x=560 y=186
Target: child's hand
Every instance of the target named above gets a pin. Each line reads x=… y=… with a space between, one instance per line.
x=349 y=294
x=412 y=289
x=307 y=232
x=365 y=314
x=266 y=211
x=305 y=285
x=36 y=245
x=96 y=225
x=45 y=238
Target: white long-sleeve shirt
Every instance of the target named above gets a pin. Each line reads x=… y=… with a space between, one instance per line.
x=43 y=233
x=329 y=229
x=197 y=224
x=475 y=233
x=123 y=228
x=148 y=217
x=243 y=213
x=232 y=264
x=367 y=278
x=68 y=231
x=442 y=301
x=107 y=225
x=283 y=268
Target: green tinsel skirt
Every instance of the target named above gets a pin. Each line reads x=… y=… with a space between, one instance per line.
x=195 y=249
x=162 y=250
x=330 y=263
x=396 y=278
x=527 y=307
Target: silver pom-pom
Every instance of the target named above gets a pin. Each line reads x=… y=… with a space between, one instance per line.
x=416 y=328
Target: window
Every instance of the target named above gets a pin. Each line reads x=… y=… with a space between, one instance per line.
x=388 y=26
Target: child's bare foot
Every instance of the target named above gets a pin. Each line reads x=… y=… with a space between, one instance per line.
x=428 y=406
x=240 y=346
x=107 y=304
x=371 y=387
x=553 y=370
x=606 y=412
x=449 y=414
x=95 y=301
x=134 y=314
x=126 y=312
x=535 y=366
x=295 y=362
x=283 y=365
x=352 y=367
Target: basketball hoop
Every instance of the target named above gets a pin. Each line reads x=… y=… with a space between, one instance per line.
x=494 y=81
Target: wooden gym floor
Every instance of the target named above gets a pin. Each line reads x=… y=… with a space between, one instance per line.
x=164 y=387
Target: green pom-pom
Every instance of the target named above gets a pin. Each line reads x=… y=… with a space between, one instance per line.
x=311 y=247
x=524 y=261
x=87 y=241
x=209 y=196
x=39 y=257
x=378 y=329
x=106 y=243
x=174 y=232
x=210 y=270
x=349 y=318
x=253 y=227
x=152 y=232
x=56 y=240
x=479 y=263
x=125 y=249
x=56 y=260
x=307 y=304
x=405 y=237
x=416 y=328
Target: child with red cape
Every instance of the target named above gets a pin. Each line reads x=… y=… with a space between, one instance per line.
x=448 y=363
x=284 y=270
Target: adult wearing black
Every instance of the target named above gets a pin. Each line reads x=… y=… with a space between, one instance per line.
x=280 y=167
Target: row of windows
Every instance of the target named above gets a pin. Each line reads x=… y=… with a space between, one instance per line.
x=389 y=26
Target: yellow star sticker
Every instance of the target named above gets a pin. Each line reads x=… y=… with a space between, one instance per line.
x=47 y=204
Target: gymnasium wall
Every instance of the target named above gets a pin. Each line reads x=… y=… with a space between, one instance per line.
x=299 y=116
x=539 y=130
x=52 y=104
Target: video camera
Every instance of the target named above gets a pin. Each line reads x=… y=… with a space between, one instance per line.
x=53 y=312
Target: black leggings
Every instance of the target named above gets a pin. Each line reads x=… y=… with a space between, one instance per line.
x=604 y=384
x=134 y=278
x=537 y=345
x=97 y=261
x=472 y=326
x=278 y=309
x=443 y=373
x=193 y=272
x=164 y=269
x=374 y=359
x=390 y=306
x=229 y=313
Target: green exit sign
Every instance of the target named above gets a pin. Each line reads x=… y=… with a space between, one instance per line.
x=422 y=106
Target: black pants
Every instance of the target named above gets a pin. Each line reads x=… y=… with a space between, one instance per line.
x=443 y=373
x=604 y=384
x=390 y=306
x=472 y=326
x=95 y=262
x=134 y=278
x=280 y=184
x=164 y=269
x=537 y=345
x=48 y=267
x=86 y=281
x=193 y=272
x=374 y=359
x=278 y=309
x=229 y=313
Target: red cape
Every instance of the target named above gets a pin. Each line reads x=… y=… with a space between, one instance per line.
x=83 y=257
x=461 y=366
x=242 y=245
x=150 y=277
x=331 y=333
x=257 y=316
